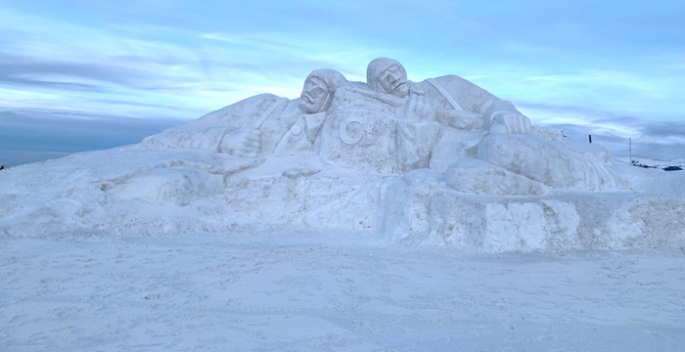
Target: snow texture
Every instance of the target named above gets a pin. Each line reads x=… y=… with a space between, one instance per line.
x=323 y=292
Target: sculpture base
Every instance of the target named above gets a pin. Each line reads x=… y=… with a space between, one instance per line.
x=557 y=221
x=133 y=192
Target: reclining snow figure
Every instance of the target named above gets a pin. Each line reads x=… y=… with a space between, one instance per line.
x=440 y=161
x=395 y=156
x=262 y=125
x=448 y=110
x=392 y=125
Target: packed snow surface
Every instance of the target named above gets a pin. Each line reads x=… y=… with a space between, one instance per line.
x=321 y=292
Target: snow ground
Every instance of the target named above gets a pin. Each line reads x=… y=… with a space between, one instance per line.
x=293 y=292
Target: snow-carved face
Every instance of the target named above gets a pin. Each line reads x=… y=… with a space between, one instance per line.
x=387 y=76
x=318 y=90
x=315 y=94
x=394 y=81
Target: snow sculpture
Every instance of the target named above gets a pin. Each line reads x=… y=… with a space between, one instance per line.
x=391 y=126
x=349 y=141
x=438 y=161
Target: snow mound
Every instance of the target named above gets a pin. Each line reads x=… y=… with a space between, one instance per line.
x=177 y=186
x=137 y=191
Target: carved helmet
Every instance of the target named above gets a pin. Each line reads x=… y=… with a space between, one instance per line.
x=331 y=78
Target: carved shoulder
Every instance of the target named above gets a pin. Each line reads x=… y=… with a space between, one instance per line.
x=241 y=114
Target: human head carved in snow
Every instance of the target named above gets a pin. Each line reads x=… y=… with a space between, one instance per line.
x=387 y=76
x=318 y=90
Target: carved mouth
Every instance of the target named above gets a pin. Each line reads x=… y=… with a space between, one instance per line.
x=307 y=98
x=399 y=85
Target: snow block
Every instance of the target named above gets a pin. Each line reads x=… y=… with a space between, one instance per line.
x=562 y=222
x=479 y=177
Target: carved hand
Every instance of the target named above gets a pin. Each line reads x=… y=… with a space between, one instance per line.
x=511 y=122
x=419 y=107
x=242 y=143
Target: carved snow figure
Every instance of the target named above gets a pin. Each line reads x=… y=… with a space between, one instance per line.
x=392 y=125
x=262 y=125
x=316 y=98
x=449 y=99
x=476 y=124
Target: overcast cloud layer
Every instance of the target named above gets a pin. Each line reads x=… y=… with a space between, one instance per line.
x=612 y=68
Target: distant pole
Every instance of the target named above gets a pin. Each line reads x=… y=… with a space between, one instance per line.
x=590 y=136
x=630 y=148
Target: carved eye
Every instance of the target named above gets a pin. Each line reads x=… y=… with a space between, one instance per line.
x=315 y=92
x=389 y=77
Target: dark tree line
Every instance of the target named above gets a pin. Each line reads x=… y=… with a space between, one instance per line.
x=668 y=168
x=639 y=164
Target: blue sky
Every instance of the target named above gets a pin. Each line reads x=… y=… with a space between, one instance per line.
x=105 y=73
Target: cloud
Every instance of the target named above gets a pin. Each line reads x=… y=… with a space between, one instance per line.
x=72 y=65
x=604 y=120
x=651 y=140
x=15 y=68
x=664 y=129
x=49 y=84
